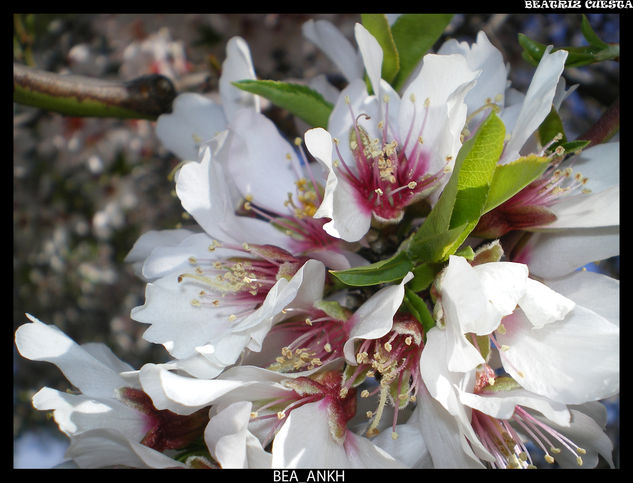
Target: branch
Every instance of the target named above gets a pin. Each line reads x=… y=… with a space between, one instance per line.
x=145 y=97
x=605 y=127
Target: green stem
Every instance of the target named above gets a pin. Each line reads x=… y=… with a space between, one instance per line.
x=145 y=97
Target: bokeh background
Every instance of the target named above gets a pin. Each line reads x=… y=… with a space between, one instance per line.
x=86 y=189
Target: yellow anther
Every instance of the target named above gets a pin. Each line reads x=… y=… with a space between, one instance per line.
x=369 y=414
x=427 y=102
x=364 y=393
x=549 y=458
x=394 y=435
x=298 y=141
x=193 y=260
x=308 y=321
x=408 y=340
x=253 y=414
x=327 y=347
x=412 y=185
x=343 y=392
x=579 y=461
x=288 y=156
x=501 y=329
x=281 y=415
x=388 y=346
x=232 y=317
x=412 y=98
x=195 y=303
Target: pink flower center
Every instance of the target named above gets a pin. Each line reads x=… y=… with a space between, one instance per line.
x=315 y=338
x=165 y=429
x=306 y=232
x=394 y=360
x=324 y=387
x=240 y=283
x=384 y=178
x=501 y=437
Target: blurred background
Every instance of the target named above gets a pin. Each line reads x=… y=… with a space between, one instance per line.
x=86 y=189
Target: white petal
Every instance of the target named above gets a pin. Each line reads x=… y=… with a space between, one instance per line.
x=571 y=361
x=230 y=442
x=174 y=258
x=537 y=103
x=594 y=291
x=449 y=448
x=175 y=322
x=349 y=219
x=261 y=161
x=334 y=44
x=374 y=318
x=600 y=164
x=75 y=413
x=408 y=447
x=237 y=66
x=194 y=120
x=100 y=448
x=371 y=52
x=40 y=342
x=587 y=210
x=444 y=81
x=180 y=394
x=542 y=305
x=501 y=404
x=555 y=254
x=292 y=449
x=152 y=239
x=484 y=56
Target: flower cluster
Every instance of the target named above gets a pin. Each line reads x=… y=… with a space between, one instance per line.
x=398 y=288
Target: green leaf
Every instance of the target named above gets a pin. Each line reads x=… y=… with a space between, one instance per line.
x=414 y=35
x=418 y=309
x=300 y=100
x=464 y=197
x=590 y=35
x=388 y=270
x=434 y=247
x=510 y=178
x=551 y=126
x=576 y=56
x=423 y=276
x=378 y=26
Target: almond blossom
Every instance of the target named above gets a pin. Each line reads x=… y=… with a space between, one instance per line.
x=538 y=337
x=196 y=119
x=110 y=421
x=389 y=151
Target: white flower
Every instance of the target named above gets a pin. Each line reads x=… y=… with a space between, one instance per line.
x=196 y=119
x=304 y=414
x=390 y=152
x=543 y=344
x=225 y=301
x=492 y=417
x=110 y=421
x=555 y=351
x=277 y=182
x=586 y=212
x=524 y=113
